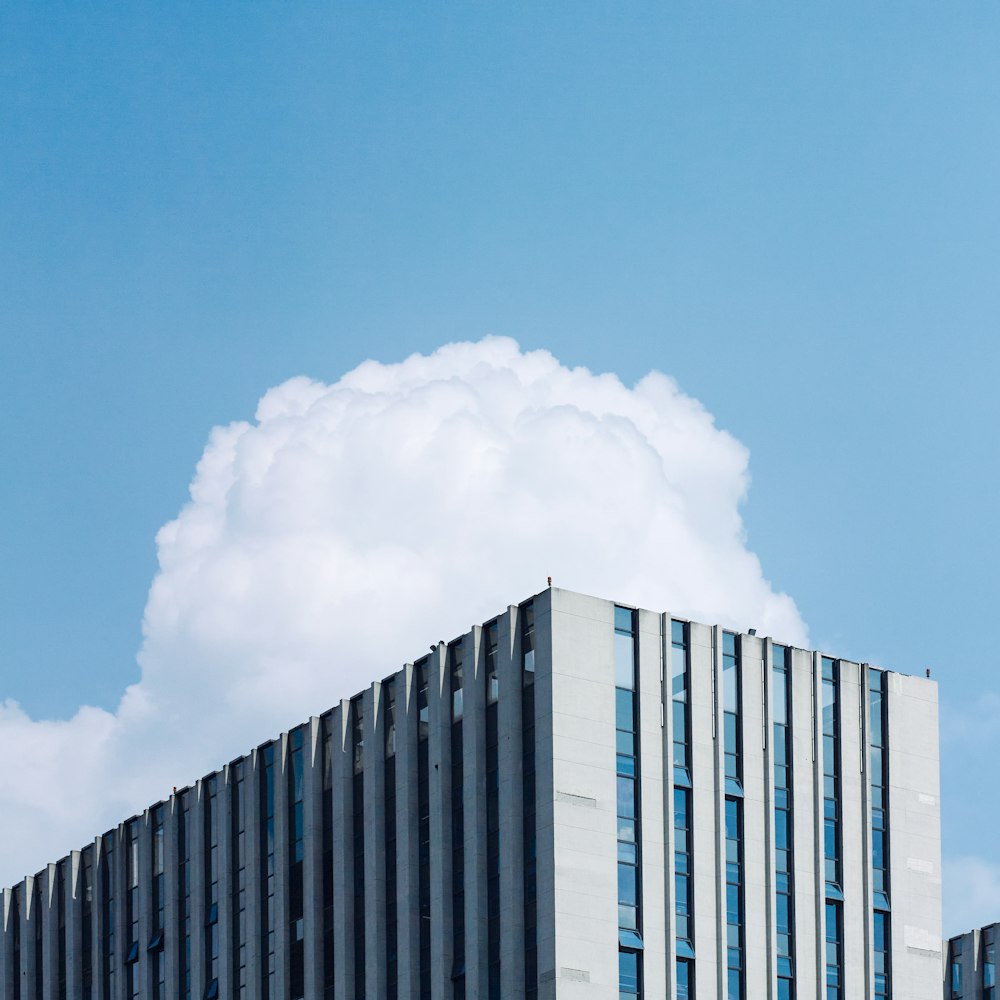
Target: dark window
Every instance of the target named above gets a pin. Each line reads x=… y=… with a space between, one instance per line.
x=627 y=766
x=989 y=963
x=296 y=887
x=212 y=855
x=327 y=723
x=526 y=615
x=358 y=822
x=781 y=751
x=834 y=951
x=391 y=911
x=238 y=861
x=492 y=815
x=455 y=659
x=680 y=720
x=267 y=872
x=423 y=832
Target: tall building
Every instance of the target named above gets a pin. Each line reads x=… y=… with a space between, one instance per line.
x=970 y=967
x=577 y=799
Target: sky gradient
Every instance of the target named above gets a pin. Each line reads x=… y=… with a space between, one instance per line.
x=794 y=212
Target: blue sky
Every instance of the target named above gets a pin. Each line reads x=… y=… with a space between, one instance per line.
x=794 y=211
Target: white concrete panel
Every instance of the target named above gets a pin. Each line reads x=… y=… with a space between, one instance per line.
x=584 y=816
x=914 y=835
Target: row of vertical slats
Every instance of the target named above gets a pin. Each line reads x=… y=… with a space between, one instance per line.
x=342 y=836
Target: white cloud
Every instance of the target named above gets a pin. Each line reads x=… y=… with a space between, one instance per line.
x=350 y=525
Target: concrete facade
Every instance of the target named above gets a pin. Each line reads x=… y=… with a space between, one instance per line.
x=308 y=841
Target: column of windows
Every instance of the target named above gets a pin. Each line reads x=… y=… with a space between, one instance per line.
x=158 y=886
x=989 y=963
x=391 y=910
x=783 y=836
x=87 y=922
x=108 y=903
x=423 y=832
x=683 y=896
x=184 y=892
x=61 y=924
x=834 y=949
x=296 y=887
x=492 y=815
x=358 y=823
x=528 y=800
x=327 y=824
x=628 y=799
x=267 y=929
x=210 y=791
x=731 y=723
x=36 y=910
x=132 y=980
x=15 y=916
x=831 y=829
x=879 y=773
x=238 y=835
x=955 y=970
x=457 y=825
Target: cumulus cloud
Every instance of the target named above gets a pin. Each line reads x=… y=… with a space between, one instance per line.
x=350 y=525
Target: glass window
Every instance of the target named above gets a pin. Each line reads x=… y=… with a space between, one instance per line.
x=628 y=971
x=528 y=638
x=624 y=660
x=683 y=969
x=682 y=896
x=627 y=885
x=681 y=803
x=624 y=710
x=457 y=700
x=626 y=797
x=389 y=696
x=624 y=649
